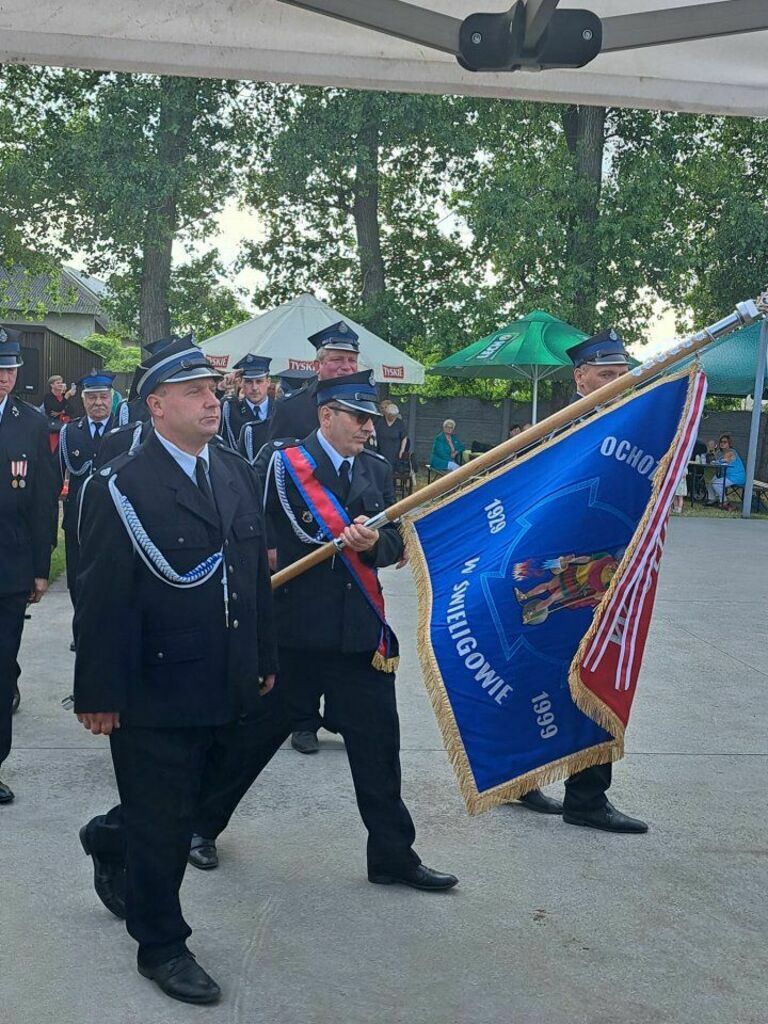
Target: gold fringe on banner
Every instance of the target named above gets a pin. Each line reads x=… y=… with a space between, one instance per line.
x=554 y=771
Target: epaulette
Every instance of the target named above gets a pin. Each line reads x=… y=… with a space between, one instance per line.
x=116 y=464
x=221 y=446
x=28 y=407
x=375 y=455
x=294 y=394
x=284 y=442
x=123 y=427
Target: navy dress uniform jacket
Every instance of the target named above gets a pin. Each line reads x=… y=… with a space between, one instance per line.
x=28 y=511
x=81 y=448
x=296 y=415
x=234 y=416
x=122 y=439
x=324 y=609
x=162 y=656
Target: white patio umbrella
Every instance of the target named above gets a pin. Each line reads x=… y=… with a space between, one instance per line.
x=662 y=54
x=281 y=334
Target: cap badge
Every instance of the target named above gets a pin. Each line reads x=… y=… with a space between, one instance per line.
x=3 y=336
x=613 y=335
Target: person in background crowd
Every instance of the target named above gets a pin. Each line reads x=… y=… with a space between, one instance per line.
x=731 y=473
x=515 y=429
x=712 y=450
x=292 y=381
x=58 y=407
x=255 y=407
x=79 y=442
x=447 y=449
x=338 y=349
x=29 y=489
x=391 y=437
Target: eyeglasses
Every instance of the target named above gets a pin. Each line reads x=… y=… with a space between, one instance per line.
x=361 y=417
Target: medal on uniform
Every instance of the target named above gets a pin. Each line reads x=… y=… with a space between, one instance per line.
x=21 y=472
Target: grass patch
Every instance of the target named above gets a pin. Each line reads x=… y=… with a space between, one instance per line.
x=58 y=559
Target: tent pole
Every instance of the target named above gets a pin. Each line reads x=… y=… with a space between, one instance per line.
x=745 y=313
x=754 y=429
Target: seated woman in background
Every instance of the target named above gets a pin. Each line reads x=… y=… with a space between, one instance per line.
x=446 y=448
x=730 y=474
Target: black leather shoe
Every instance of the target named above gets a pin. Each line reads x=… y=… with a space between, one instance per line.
x=184 y=979
x=305 y=742
x=16 y=701
x=203 y=853
x=606 y=818
x=6 y=794
x=542 y=804
x=418 y=877
x=108 y=879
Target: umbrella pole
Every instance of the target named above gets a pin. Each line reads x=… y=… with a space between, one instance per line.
x=745 y=313
x=535 y=403
x=754 y=429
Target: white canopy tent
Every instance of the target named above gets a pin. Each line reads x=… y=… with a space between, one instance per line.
x=281 y=334
x=713 y=60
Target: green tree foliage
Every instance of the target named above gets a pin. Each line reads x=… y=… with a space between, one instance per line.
x=198 y=300
x=351 y=188
x=118 y=356
x=120 y=166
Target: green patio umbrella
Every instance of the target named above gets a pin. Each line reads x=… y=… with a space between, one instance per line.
x=531 y=349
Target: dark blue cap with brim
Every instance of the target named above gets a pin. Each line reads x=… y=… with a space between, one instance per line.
x=96 y=382
x=253 y=367
x=356 y=392
x=604 y=349
x=339 y=335
x=10 y=349
x=178 y=362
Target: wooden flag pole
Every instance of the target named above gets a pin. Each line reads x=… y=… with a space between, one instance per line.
x=744 y=314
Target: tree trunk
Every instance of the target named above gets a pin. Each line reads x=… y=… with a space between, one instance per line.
x=176 y=115
x=366 y=204
x=585 y=136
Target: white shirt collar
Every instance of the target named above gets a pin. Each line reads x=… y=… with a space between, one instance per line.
x=253 y=406
x=184 y=460
x=92 y=423
x=332 y=454
x=3 y=405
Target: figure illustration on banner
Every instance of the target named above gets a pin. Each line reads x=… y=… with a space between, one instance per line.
x=575 y=581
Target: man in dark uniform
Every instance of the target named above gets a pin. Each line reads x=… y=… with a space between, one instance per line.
x=338 y=350
x=133 y=409
x=597 y=361
x=29 y=489
x=293 y=380
x=254 y=409
x=344 y=649
x=175 y=631
x=79 y=442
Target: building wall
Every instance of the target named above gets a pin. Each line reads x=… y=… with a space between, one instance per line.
x=75 y=326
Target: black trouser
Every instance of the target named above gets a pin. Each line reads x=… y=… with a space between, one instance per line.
x=360 y=704
x=163 y=776
x=585 y=791
x=72 y=551
x=12 y=608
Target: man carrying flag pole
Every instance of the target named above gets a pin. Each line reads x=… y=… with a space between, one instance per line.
x=526 y=699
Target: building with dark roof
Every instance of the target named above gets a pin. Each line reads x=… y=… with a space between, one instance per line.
x=68 y=302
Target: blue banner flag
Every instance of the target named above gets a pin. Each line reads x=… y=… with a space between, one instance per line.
x=536 y=586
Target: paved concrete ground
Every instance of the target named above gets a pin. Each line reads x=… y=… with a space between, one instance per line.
x=551 y=924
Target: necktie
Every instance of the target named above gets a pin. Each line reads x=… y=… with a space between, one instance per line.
x=344 y=481
x=97 y=429
x=202 y=481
